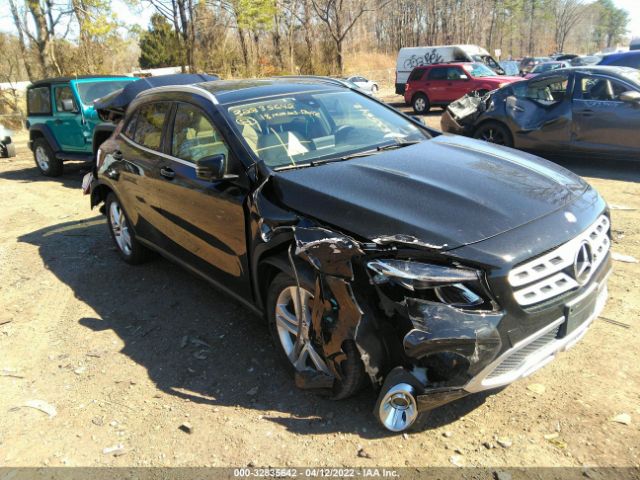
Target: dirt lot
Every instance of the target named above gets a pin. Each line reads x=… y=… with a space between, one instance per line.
x=121 y=353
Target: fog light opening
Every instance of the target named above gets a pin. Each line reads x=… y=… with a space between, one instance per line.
x=398 y=408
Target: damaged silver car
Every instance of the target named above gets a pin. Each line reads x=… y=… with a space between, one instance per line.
x=378 y=251
x=581 y=111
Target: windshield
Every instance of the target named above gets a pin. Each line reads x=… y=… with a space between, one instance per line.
x=91 y=91
x=296 y=129
x=546 y=67
x=480 y=70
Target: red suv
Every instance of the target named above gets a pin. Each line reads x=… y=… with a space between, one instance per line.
x=441 y=84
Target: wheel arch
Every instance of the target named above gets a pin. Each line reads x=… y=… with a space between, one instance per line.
x=43 y=131
x=99 y=194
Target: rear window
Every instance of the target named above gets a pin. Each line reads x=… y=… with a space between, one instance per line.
x=416 y=75
x=39 y=101
x=149 y=124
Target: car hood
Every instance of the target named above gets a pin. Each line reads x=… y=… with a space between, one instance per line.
x=444 y=193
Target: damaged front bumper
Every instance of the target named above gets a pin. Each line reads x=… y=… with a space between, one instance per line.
x=488 y=370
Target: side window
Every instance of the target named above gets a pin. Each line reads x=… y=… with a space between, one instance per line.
x=600 y=89
x=546 y=92
x=194 y=137
x=438 y=73
x=63 y=93
x=39 y=101
x=148 y=127
x=416 y=74
x=130 y=128
x=453 y=73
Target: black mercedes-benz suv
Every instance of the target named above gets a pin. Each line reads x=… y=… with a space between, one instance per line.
x=431 y=266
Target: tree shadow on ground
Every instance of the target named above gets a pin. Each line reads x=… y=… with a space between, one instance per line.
x=195 y=342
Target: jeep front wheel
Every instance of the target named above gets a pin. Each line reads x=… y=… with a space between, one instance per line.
x=46 y=160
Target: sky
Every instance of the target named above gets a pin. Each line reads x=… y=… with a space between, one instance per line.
x=142 y=16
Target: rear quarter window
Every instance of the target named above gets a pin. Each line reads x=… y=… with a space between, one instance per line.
x=39 y=101
x=416 y=75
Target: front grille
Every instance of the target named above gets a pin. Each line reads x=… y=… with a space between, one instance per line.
x=515 y=361
x=551 y=274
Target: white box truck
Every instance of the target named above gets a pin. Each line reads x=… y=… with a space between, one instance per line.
x=411 y=57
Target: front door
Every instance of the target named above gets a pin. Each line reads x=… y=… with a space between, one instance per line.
x=457 y=86
x=539 y=114
x=205 y=220
x=66 y=125
x=602 y=123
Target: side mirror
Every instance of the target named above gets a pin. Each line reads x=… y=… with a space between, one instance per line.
x=212 y=168
x=68 y=105
x=631 y=96
x=464 y=77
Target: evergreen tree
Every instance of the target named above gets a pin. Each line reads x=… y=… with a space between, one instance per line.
x=159 y=46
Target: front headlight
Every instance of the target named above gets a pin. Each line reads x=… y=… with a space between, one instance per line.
x=455 y=286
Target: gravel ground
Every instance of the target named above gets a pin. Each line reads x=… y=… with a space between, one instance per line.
x=128 y=355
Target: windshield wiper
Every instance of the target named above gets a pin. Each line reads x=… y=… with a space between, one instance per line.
x=398 y=144
x=366 y=153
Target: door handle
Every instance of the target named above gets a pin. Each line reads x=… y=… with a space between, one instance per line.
x=585 y=113
x=57 y=121
x=516 y=108
x=167 y=173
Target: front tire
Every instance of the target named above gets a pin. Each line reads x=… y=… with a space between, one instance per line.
x=128 y=246
x=494 y=132
x=45 y=158
x=374 y=89
x=8 y=150
x=283 y=316
x=421 y=104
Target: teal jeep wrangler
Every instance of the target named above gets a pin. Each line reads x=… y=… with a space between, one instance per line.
x=62 y=123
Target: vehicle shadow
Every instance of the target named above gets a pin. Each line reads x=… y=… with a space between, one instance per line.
x=70 y=178
x=195 y=342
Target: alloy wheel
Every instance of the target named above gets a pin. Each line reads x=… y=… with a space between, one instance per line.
x=493 y=135
x=120 y=228
x=420 y=104
x=42 y=158
x=289 y=308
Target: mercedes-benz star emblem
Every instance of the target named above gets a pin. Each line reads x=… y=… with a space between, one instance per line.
x=583 y=264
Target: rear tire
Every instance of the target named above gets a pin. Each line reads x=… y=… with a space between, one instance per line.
x=494 y=132
x=122 y=233
x=374 y=89
x=282 y=320
x=420 y=104
x=45 y=158
x=8 y=150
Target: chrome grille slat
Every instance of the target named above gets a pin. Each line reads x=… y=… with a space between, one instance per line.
x=544 y=278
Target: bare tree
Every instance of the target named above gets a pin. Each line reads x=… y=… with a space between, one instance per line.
x=335 y=15
x=567 y=13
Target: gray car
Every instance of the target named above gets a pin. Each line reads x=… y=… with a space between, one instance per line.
x=592 y=111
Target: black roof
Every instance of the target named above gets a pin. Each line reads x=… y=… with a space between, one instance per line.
x=229 y=91
x=49 y=81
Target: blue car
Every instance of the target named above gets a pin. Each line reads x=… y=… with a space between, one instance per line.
x=625 y=59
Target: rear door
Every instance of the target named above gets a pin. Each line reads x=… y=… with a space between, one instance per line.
x=140 y=149
x=602 y=123
x=203 y=221
x=66 y=125
x=435 y=84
